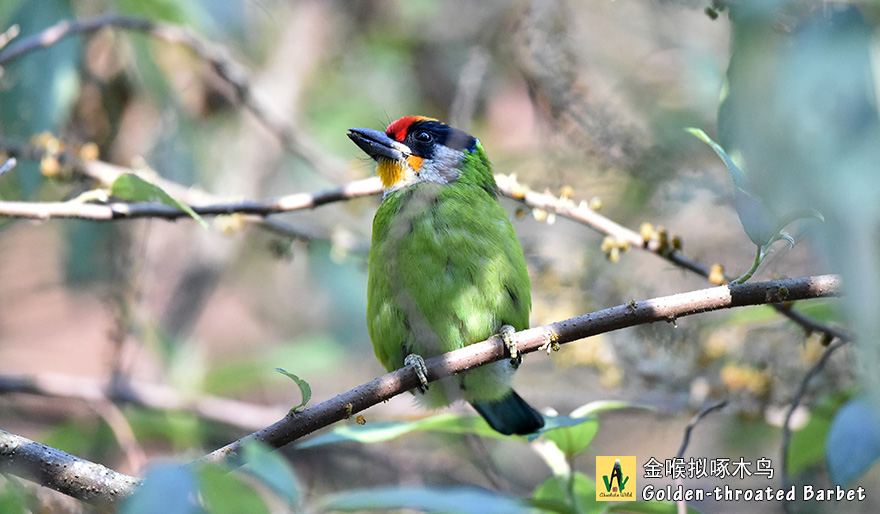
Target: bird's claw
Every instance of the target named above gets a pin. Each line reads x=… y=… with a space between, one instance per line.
x=507 y=335
x=417 y=363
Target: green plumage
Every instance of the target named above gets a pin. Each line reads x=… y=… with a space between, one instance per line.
x=447 y=270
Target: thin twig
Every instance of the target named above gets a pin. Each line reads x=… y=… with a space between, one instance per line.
x=8 y=35
x=8 y=165
x=121 y=428
x=798 y=397
x=120 y=210
x=668 y=308
x=226 y=67
x=686 y=440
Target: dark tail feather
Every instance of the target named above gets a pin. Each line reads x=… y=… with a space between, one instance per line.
x=510 y=415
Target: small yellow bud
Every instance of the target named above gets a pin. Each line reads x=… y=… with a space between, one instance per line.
x=595 y=203
x=361 y=420
x=89 y=152
x=663 y=238
x=229 y=223
x=607 y=244
x=716 y=275
x=611 y=377
x=646 y=231
x=614 y=254
x=42 y=139
x=539 y=214
x=49 y=166
x=566 y=192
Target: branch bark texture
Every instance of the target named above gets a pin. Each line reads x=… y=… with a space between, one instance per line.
x=667 y=308
x=58 y=470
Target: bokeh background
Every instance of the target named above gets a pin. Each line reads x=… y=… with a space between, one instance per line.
x=587 y=99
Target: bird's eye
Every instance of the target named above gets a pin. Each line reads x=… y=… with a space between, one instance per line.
x=423 y=137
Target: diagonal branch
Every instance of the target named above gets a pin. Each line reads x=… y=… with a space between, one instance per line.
x=61 y=471
x=582 y=213
x=294 y=140
x=207 y=204
x=99 y=485
x=668 y=308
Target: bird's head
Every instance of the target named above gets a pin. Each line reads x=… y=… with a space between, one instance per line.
x=417 y=149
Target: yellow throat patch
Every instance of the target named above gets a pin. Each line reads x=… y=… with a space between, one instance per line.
x=392 y=172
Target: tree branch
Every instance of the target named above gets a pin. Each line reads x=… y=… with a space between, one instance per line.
x=106 y=173
x=58 y=470
x=801 y=392
x=668 y=308
x=98 y=485
x=582 y=213
x=121 y=210
x=226 y=67
x=207 y=204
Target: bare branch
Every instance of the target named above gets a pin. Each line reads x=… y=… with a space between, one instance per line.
x=582 y=213
x=668 y=308
x=686 y=440
x=58 y=470
x=119 y=210
x=802 y=390
x=106 y=173
x=98 y=485
x=226 y=67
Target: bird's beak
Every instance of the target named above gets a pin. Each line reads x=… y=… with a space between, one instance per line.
x=378 y=145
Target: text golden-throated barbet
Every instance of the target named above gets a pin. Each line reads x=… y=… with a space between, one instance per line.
x=446 y=268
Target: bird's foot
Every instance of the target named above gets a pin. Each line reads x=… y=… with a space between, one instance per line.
x=417 y=363
x=507 y=335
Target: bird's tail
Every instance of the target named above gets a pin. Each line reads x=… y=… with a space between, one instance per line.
x=510 y=415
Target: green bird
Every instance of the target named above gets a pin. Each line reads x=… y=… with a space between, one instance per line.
x=446 y=268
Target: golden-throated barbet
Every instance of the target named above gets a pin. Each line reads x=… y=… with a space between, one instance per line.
x=446 y=268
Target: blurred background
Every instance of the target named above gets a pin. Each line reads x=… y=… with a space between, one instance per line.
x=587 y=99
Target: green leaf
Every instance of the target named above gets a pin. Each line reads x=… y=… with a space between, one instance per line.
x=756 y=219
x=806 y=447
x=313 y=354
x=225 y=493
x=551 y=492
x=853 y=443
x=129 y=186
x=169 y=488
x=272 y=469
x=596 y=407
x=447 y=500
x=378 y=432
x=574 y=440
x=444 y=423
x=304 y=388
x=574 y=435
